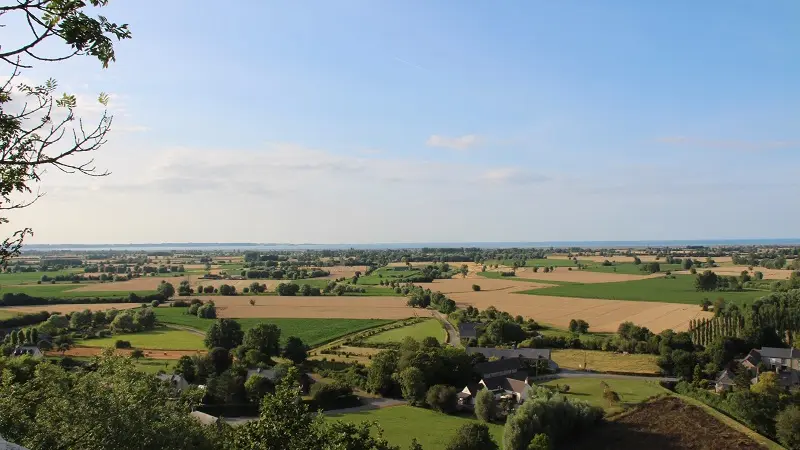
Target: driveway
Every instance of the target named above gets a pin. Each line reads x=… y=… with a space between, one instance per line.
x=453 y=339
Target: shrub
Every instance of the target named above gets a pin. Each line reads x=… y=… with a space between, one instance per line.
x=333 y=395
x=476 y=288
x=485 y=406
x=472 y=436
x=442 y=398
x=122 y=344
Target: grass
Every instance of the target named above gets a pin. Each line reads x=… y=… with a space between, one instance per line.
x=549 y=330
x=606 y=361
x=387 y=274
x=7 y=314
x=32 y=277
x=146 y=365
x=678 y=290
x=590 y=390
x=402 y=423
x=418 y=331
x=161 y=339
x=66 y=290
x=313 y=332
x=541 y=262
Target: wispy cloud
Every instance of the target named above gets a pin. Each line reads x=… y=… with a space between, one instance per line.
x=410 y=64
x=728 y=144
x=453 y=143
x=512 y=175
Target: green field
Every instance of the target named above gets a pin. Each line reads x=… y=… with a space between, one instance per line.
x=66 y=290
x=161 y=339
x=312 y=331
x=543 y=262
x=32 y=277
x=387 y=274
x=146 y=365
x=678 y=290
x=7 y=314
x=402 y=423
x=591 y=391
x=418 y=331
x=548 y=330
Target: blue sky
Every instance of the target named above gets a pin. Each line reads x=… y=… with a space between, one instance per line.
x=372 y=121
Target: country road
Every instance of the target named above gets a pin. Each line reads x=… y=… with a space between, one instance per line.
x=453 y=339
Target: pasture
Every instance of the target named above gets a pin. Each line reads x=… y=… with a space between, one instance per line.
x=33 y=277
x=402 y=423
x=67 y=308
x=678 y=290
x=605 y=361
x=418 y=331
x=563 y=276
x=159 y=339
x=344 y=307
x=590 y=390
x=312 y=331
x=71 y=290
x=539 y=262
x=630 y=268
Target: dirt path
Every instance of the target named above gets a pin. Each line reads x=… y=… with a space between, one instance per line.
x=453 y=339
x=184 y=328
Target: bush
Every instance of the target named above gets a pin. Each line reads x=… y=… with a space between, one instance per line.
x=442 y=398
x=476 y=288
x=485 y=406
x=787 y=427
x=333 y=395
x=122 y=344
x=472 y=436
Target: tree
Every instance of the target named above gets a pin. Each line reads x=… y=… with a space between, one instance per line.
x=767 y=385
x=137 y=353
x=442 y=398
x=295 y=350
x=485 y=406
x=573 y=326
x=379 y=373
x=412 y=385
x=31 y=134
x=257 y=388
x=225 y=333
x=476 y=288
x=167 y=290
x=220 y=359
x=464 y=270
x=186 y=368
x=472 y=436
x=264 y=337
x=184 y=288
x=787 y=427
x=414 y=444
x=540 y=442
x=62 y=409
x=706 y=281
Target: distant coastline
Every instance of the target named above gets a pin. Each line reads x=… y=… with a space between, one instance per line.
x=406 y=245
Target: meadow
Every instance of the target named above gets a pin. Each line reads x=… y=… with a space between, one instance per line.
x=629 y=268
x=418 y=331
x=388 y=274
x=606 y=361
x=678 y=290
x=159 y=339
x=590 y=390
x=538 y=262
x=32 y=277
x=312 y=331
x=402 y=423
x=67 y=289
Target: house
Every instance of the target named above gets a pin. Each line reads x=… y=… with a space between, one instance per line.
x=176 y=381
x=724 y=381
x=468 y=330
x=783 y=361
x=514 y=386
x=27 y=350
x=525 y=354
x=272 y=375
x=506 y=377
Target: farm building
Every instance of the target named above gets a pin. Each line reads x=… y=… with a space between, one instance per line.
x=505 y=378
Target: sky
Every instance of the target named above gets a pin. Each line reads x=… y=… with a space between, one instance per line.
x=435 y=121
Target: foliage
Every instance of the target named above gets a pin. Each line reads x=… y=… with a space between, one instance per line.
x=265 y=338
x=442 y=398
x=295 y=350
x=167 y=290
x=549 y=413
x=412 y=385
x=57 y=409
x=333 y=395
x=787 y=427
x=472 y=436
x=485 y=406
x=225 y=333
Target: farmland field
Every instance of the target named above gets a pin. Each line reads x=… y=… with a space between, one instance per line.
x=546 y=262
x=664 y=424
x=68 y=308
x=72 y=290
x=630 y=268
x=32 y=277
x=311 y=331
x=418 y=331
x=606 y=361
x=590 y=390
x=5 y=314
x=146 y=365
x=161 y=339
x=678 y=290
x=344 y=307
x=402 y=423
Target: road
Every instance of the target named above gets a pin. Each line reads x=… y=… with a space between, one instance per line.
x=453 y=339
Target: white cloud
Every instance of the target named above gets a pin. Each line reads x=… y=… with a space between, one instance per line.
x=454 y=143
x=512 y=176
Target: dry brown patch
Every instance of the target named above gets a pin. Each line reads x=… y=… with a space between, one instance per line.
x=316 y=307
x=602 y=315
x=64 y=309
x=488 y=285
x=152 y=354
x=769 y=274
